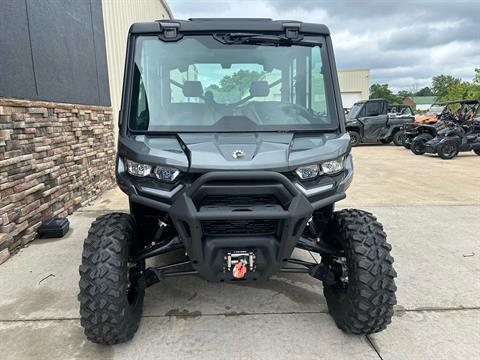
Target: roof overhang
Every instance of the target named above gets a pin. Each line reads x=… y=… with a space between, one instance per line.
x=210 y=25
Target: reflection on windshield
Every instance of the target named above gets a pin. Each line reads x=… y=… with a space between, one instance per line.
x=199 y=84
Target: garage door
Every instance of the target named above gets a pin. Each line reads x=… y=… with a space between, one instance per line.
x=350 y=98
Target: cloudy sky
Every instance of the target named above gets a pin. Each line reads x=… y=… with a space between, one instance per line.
x=404 y=43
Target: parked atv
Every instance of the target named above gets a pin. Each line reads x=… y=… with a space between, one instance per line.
x=448 y=110
x=453 y=139
x=235 y=178
x=372 y=121
x=421 y=134
x=418 y=133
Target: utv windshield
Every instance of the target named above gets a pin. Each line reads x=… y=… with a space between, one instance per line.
x=354 y=111
x=435 y=109
x=202 y=84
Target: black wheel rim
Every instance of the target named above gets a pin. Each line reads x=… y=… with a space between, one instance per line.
x=418 y=146
x=449 y=150
x=353 y=139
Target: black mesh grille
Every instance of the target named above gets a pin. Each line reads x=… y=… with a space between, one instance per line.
x=238 y=200
x=240 y=227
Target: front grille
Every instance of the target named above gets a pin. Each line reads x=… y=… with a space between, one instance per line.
x=240 y=227
x=238 y=200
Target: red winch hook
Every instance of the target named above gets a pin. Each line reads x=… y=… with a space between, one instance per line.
x=240 y=270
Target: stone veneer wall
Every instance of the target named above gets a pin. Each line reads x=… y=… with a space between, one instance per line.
x=54 y=158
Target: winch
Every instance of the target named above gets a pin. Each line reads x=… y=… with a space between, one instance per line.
x=238 y=262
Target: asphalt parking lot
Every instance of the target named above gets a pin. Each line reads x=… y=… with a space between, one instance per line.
x=430 y=209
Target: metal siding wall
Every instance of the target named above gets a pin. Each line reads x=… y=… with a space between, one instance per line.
x=118 y=16
x=354 y=81
x=17 y=78
x=49 y=51
x=101 y=51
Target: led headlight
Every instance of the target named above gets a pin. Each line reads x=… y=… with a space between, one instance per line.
x=137 y=169
x=333 y=166
x=167 y=174
x=308 y=172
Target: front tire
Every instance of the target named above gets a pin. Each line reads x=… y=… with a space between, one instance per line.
x=477 y=151
x=398 y=138
x=364 y=303
x=354 y=138
x=448 y=149
x=110 y=300
x=418 y=144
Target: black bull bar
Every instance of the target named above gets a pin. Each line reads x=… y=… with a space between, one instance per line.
x=212 y=223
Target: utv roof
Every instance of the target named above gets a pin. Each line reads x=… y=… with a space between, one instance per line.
x=209 y=25
x=469 y=102
x=364 y=101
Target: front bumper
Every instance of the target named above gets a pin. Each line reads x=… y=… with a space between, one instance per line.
x=221 y=212
x=211 y=225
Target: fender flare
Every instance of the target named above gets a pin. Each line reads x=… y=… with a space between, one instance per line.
x=457 y=139
x=358 y=129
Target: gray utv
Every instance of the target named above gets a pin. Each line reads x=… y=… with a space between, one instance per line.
x=233 y=150
x=375 y=120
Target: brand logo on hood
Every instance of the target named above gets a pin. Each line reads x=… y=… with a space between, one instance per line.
x=238 y=154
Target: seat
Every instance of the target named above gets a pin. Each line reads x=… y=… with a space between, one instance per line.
x=192 y=88
x=259 y=88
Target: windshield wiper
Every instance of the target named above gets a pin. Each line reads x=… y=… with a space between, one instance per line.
x=261 y=39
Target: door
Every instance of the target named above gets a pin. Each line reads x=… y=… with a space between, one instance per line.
x=374 y=121
x=350 y=98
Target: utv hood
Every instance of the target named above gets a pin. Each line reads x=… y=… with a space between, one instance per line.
x=426 y=119
x=200 y=152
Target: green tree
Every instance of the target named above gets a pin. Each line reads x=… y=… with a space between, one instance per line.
x=231 y=88
x=476 y=78
x=457 y=91
x=404 y=93
x=447 y=87
x=382 y=91
x=426 y=91
x=443 y=83
x=474 y=88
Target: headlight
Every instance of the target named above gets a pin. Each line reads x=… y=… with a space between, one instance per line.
x=137 y=169
x=333 y=166
x=167 y=174
x=308 y=172
x=163 y=173
x=330 y=167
